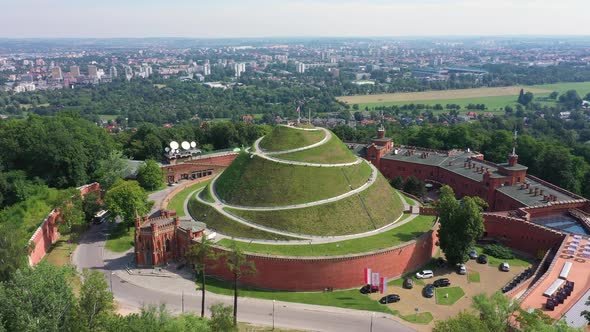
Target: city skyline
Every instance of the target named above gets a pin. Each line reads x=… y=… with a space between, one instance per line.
x=264 y=18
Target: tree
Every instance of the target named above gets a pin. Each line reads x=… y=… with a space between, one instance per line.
x=150 y=176
x=221 y=318
x=38 y=299
x=200 y=255
x=96 y=302
x=495 y=311
x=586 y=313
x=414 y=186
x=111 y=169
x=397 y=182
x=127 y=200
x=13 y=253
x=91 y=205
x=460 y=224
x=239 y=265
x=71 y=215
x=464 y=321
x=570 y=99
x=521 y=97
x=553 y=95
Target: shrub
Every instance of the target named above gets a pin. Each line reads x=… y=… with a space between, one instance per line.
x=498 y=251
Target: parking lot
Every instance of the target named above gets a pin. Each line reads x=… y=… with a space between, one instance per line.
x=491 y=280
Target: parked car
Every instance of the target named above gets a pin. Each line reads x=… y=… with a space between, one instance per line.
x=462 y=269
x=482 y=259
x=473 y=254
x=391 y=298
x=408 y=283
x=443 y=282
x=424 y=274
x=366 y=289
x=428 y=291
x=504 y=267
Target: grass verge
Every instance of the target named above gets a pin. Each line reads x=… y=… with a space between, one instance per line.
x=284 y=138
x=351 y=299
x=120 y=239
x=224 y=225
x=494 y=261
x=419 y=318
x=373 y=208
x=473 y=277
x=254 y=181
x=59 y=255
x=177 y=201
x=331 y=152
x=398 y=235
x=454 y=294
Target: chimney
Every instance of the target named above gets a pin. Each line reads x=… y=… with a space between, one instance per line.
x=521 y=186
x=536 y=191
x=464 y=165
x=176 y=221
x=541 y=192
x=530 y=190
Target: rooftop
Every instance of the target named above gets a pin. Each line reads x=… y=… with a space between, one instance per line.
x=523 y=196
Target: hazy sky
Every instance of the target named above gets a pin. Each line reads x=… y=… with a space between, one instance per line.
x=269 y=18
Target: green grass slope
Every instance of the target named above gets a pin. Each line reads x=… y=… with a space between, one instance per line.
x=284 y=138
x=224 y=225
x=260 y=182
x=346 y=216
x=332 y=152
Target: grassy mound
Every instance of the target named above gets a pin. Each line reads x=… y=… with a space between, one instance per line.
x=332 y=152
x=373 y=208
x=220 y=223
x=260 y=182
x=404 y=233
x=284 y=138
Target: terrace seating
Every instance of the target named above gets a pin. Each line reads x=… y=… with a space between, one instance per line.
x=524 y=275
x=560 y=295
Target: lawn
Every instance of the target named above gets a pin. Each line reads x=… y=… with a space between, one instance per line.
x=473 y=277
x=454 y=294
x=408 y=200
x=419 y=318
x=254 y=181
x=245 y=327
x=351 y=299
x=582 y=87
x=396 y=236
x=59 y=255
x=206 y=194
x=177 y=201
x=120 y=239
x=108 y=117
x=345 y=216
x=224 y=225
x=284 y=138
x=494 y=261
x=331 y=152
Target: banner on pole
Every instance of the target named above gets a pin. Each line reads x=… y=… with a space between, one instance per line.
x=383 y=285
x=375 y=279
x=367 y=275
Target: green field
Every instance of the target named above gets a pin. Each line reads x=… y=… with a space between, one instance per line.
x=206 y=194
x=419 y=318
x=493 y=261
x=224 y=225
x=177 y=202
x=351 y=299
x=284 y=138
x=331 y=152
x=120 y=238
x=390 y=238
x=260 y=182
x=108 y=117
x=448 y=295
x=494 y=104
x=473 y=277
x=345 y=216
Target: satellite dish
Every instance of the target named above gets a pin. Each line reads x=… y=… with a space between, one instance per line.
x=174 y=145
x=186 y=145
x=166 y=149
x=193 y=144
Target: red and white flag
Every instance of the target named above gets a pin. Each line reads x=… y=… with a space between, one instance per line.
x=375 y=279
x=367 y=275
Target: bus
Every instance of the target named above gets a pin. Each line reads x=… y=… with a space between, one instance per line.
x=100 y=217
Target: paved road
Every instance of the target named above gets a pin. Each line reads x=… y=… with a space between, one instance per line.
x=132 y=296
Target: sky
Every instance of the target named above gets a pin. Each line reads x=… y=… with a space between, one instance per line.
x=290 y=18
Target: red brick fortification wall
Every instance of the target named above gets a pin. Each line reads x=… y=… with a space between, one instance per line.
x=43 y=238
x=520 y=234
x=47 y=234
x=339 y=272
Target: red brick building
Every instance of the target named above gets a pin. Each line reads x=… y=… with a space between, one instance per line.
x=164 y=238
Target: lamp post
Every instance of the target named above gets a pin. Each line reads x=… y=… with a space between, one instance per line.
x=372 y=315
x=273 y=315
x=111 y=280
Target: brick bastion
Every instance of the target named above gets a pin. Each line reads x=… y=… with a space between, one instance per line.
x=338 y=272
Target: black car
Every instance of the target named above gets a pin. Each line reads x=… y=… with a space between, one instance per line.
x=444 y=282
x=391 y=298
x=408 y=283
x=366 y=289
x=428 y=290
x=482 y=259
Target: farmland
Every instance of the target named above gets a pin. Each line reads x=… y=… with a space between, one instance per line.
x=494 y=98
